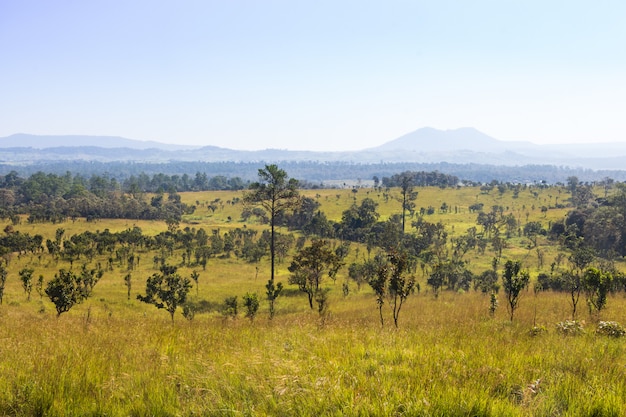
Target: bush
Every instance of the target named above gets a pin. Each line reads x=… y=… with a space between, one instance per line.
x=537 y=331
x=570 y=328
x=251 y=303
x=611 y=329
x=189 y=311
x=231 y=307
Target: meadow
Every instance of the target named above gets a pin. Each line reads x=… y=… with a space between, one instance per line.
x=115 y=356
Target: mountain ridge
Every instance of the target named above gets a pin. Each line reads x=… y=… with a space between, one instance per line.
x=425 y=145
x=27 y=140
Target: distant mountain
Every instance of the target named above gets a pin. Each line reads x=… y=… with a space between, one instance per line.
x=423 y=146
x=428 y=139
x=22 y=140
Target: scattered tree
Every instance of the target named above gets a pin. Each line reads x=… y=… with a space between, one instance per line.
x=195 y=275
x=400 y=286
x=65 y=291
x=276 y=193
x=166 y=289
x=597 y=285
x=128 y=282
x=311 y=264
x=514 y=280
x=26 y=276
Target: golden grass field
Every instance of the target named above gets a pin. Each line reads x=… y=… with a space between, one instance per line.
x=110 y=356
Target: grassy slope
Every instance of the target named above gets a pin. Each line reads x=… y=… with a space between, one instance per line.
x=112 y=356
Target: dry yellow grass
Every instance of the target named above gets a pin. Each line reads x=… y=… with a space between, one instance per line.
x=119 y=357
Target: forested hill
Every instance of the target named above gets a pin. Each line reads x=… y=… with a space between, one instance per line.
x=465 y=153
x=327 y=174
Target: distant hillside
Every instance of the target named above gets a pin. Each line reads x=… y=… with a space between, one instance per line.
x=432 y=140
x=423 y=146
x=22 y=140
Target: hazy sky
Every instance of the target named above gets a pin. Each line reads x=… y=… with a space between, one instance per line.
x=317 y=74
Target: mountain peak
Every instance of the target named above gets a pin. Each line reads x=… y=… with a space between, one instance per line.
x=428 y=139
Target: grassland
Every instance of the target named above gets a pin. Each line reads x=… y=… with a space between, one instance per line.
x=118 y=357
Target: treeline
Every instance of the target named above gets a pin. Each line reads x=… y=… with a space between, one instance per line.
x=420 y=179
x=54 y=198
x=317 y=172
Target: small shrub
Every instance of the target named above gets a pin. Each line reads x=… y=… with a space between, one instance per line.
x=231 y=307
x=570 y=328
x=493 y=304
x=189 y=311
x=537 y=331
x=251 y=303
x=611 y=329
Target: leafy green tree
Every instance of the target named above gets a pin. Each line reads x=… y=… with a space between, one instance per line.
x=65 y=291
x=514 y=280
x=166 y=289
x=597 y=284
x=487 y=282
x=379 y=285
x=26 y=276
x=390 y=282
x=276 y=193
x=195 y=276
x=88 y=279
x=311 y=264
x=400 y=286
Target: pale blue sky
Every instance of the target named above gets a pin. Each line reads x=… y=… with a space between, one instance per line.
x=318 y=75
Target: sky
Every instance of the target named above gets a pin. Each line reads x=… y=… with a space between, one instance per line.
x=324 y=75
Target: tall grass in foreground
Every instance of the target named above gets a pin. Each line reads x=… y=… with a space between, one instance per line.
x=447 y=358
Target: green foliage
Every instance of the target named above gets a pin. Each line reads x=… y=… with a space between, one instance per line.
x=400 y=286
x=514 y=280
x=189 y=311
x=166 y=289
x=276 y=193
x=451 y=273
x=493 y=303
x=323 y=302
x=357 y=220
x=39 y=286
x=251 y=304
x=273 y=292
x=597 y=285
x=195 y=275
x=88 y=279
x=391 y=281
x=65 y=291
x=309 y=266
x=487 y=282
x=231 y=307
x=26 y=276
